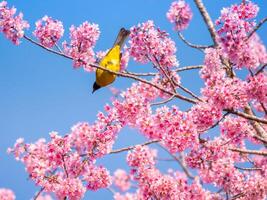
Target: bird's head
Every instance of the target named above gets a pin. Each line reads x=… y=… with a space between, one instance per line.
x=95 y=87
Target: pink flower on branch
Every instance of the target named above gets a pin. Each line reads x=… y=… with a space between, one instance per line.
x=7 y=194
x=121 y=179
x=12 y=26
x=180 y=14
x=48 y=31
x=236 y=23
x=83 y=40
x=149 y=43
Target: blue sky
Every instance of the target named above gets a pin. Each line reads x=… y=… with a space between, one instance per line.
x=41 y=92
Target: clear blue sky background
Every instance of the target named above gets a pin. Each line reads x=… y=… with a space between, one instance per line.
x=41 y=92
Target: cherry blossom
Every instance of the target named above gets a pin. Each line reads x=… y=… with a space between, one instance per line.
x=12 y=26
x=149 y=43
x=48 y=31
x=121 y=179
x=83 y=40
x=180 y=14
x=7 y=194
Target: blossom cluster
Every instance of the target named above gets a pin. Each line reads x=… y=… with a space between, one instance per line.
x=152 y=184
x=180 y=14
x=48 y=31
x=7 y=194
x=12 y=26
x=83 y=40
x=149 y=43
x=66 y=165
x=236 y=24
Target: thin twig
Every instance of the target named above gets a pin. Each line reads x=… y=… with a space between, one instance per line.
x=257 y=26
x=116 y=73
x=46 y=48
x=162 y=102
x=180 y=161
x=188 y=68
x=246 y=151
x=248 y=168
x=214 y=125
x=145 y=81
x=38 y=193
x=199 y=47
x=261 y=69
x=189 y=92
x=132 y=147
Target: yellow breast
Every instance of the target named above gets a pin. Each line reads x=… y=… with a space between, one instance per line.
x=112 y=62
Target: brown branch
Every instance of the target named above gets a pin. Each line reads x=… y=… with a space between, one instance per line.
x=144 y=81
x=204 y=13
x=189 y=92
x=214 y=125
x=246 y=151
x=38 y=194
x=259 y=129
x=46 y=48
x=189 y=68
x=113 y=72
x=261 y=69
x=181 y=162
x=248 y=168
x=132 y=147
x=199 y=47
x=247 y=116
x=257 y=27
x=162 y=102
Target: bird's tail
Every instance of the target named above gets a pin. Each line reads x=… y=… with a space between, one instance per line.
x=122 y=36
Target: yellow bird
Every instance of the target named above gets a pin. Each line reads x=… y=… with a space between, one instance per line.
x=110 y=61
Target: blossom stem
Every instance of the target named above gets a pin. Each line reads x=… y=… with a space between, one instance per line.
x=199 y=47
x=38 y=193
x=257 y=27
x=246 y=151
x=132 y=147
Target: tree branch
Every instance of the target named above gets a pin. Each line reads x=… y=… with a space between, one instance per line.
x=199 y=47
x=204 y=13
x=247 y=116
x=257 y=27
x=113 y=72
x=246 y=151
x=248 y=168
x=132 y=147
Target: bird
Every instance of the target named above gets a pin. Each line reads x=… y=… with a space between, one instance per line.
x=110 y=61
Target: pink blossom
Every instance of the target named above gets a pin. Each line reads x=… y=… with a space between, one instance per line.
x=229 y=93
x=97 y=177
x=205 y=115
x=48 y=31
x=83 y=40
x=69 y=187
x=180 y=14
x=257 y=87
x=141 y=156
x=149 y=43
x=121 y=179
x=44 y=197
x=12 y=26
x=174 y=127
x=213 y=69
x=236 y=129
x=127 y=196
x=7 y=194
x=236 y=24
